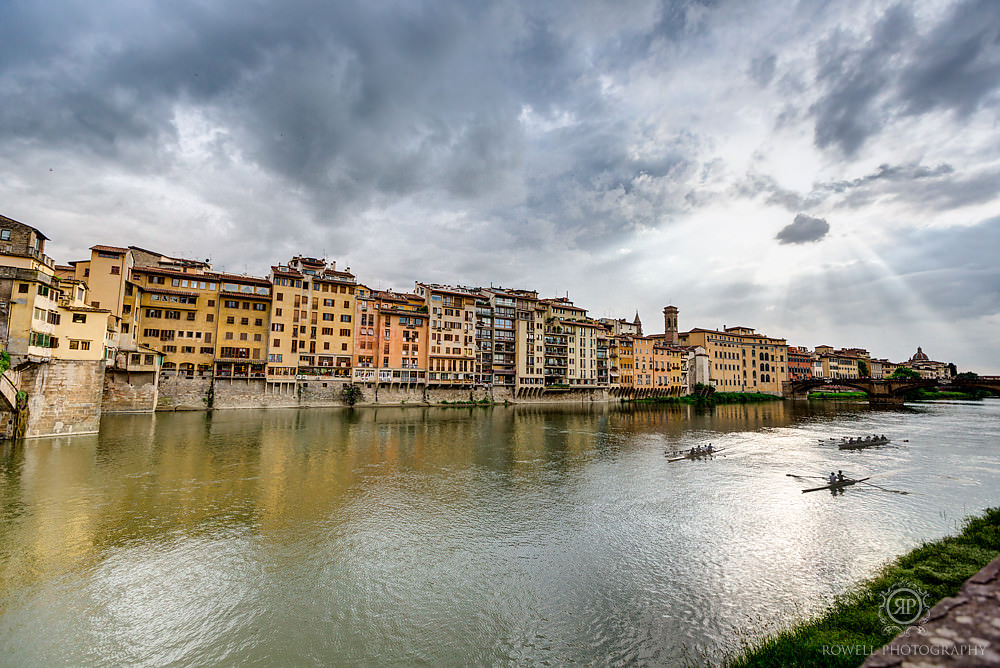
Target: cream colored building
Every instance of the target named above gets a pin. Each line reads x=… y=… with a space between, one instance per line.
x=452 y=356
x=741 y=360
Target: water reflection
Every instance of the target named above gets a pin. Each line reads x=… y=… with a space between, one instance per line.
x=459 y=535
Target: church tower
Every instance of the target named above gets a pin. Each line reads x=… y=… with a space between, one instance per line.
x=638 y=324
x=670 y=325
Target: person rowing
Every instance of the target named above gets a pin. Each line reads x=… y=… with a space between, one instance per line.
x=833 y=478
x=840 y=476
x=709 y=449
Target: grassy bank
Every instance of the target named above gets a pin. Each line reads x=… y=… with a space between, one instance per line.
x=922 y=394
x=939 y=568
x=837 y=395
x=711 y=399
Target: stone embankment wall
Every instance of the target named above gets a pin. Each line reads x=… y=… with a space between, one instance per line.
x=178 y=393
x=129 y=391
x=64 y=397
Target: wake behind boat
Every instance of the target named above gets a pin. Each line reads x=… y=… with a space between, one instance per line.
x=836 y=485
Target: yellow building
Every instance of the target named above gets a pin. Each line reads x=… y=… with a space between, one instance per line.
x=740 y=360
x=175 y=312
x=312 y=320
x=243 y=324
x=27 y=287
x=81 y=331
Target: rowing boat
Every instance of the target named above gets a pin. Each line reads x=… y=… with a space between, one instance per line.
x=835 y=485
x=857 y=445
x=697 y=455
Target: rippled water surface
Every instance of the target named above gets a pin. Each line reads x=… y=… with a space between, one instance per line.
x=503 y=536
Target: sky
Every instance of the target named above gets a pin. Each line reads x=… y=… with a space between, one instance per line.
x=826 y=172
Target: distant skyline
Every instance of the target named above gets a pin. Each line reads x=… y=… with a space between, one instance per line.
x=824 y=172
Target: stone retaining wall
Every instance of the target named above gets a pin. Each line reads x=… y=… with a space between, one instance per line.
x=179 y=393
x=64 y=397
x=129 y=391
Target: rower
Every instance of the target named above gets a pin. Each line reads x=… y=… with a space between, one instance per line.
x=840 y=476
x=833 y=478
x=709 y=448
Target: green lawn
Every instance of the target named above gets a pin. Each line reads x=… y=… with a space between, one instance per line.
x=939 y=568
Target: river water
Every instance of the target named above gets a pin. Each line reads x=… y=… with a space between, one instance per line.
x=462 y=536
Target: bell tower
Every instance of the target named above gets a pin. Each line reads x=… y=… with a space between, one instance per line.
x=670 y=325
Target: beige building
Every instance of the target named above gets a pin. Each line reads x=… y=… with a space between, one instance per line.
x=741 y=360
x=452 y=356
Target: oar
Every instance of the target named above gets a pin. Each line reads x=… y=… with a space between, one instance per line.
x=894 y=491
x=792 y=475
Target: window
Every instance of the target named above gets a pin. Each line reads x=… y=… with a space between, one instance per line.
x=277 y=327
x=260 y=307
x=345 y=318
x=276 y=343
x=211 y=302
x=345 y=332
x=116 y=269
x=277 y=312
x=5 y=235
x=244 y=321
x=79 y=317
x=231 y=303
x=210 y=317
x=22 y=288
x=190 y=315
x=230 y=320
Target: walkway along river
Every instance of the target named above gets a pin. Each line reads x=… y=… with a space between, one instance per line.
x=454 y=536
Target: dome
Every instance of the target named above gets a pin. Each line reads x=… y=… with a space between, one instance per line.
x=919 y=356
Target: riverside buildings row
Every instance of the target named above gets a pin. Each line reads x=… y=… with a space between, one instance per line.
x=165 y=332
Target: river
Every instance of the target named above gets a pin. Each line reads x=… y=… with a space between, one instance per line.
x=462 y=536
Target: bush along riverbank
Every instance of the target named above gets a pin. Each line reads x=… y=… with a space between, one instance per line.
x=710 y=399
x=938 y=568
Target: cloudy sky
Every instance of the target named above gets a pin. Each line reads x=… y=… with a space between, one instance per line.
x=824 y=171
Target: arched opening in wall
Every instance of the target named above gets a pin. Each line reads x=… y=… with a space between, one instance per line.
x=187 y=370
x=169 y=368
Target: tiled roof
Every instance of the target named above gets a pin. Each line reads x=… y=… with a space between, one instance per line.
x=109 y=249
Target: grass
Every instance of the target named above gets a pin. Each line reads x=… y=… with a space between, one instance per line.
x=837 y=395
x=922 y=394
x=939 y=568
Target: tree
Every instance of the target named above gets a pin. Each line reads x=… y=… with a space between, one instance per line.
x=905 y=373
x=863 y=368
x=967 y=375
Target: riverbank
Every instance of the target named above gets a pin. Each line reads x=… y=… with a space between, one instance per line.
x=708 y=400
x=837 y=396
x=938 y=568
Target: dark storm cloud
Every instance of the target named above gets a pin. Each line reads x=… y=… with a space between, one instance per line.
x=762 y=68
x=854 y=79
x=804 y=229
x=958 y=62
x=867 y=81
x=920 y=187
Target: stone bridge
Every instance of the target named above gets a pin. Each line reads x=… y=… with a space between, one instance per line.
x=889 y=390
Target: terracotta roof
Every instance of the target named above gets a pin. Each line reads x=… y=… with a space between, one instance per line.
x=109 y=249
x=286 y=271
x=238 y=278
